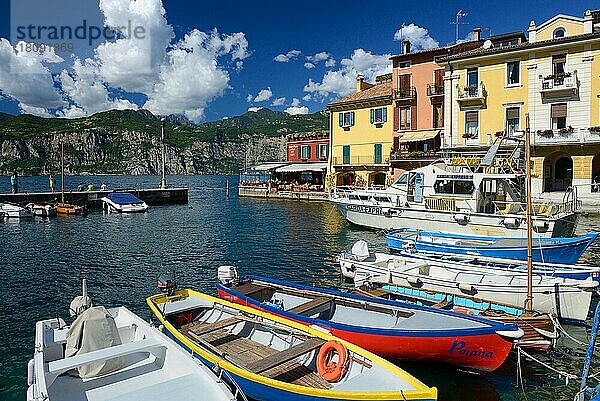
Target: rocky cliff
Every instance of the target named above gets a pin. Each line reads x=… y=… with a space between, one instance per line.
x=129 y=142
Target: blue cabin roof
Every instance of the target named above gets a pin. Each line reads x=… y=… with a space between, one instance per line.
x=124 y=198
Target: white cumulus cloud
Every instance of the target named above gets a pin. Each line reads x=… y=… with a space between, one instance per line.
x=290 y=55
x=330 y=63
x=263 y=95
x=280 y=101
x=418 y=36
x=295 y=102
x=342 y=82
x=176 y=78
x=293 y=111
x=254 y=109
x=307 y=97
x=25 y=78
x=309 y=65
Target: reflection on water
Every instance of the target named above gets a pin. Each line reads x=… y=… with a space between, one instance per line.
x=43 y=262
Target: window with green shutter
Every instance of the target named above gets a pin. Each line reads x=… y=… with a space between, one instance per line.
x=378 y=153
x=346 y=154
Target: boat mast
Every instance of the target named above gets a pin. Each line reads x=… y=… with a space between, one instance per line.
x=529 y=301
x=163 y=180
x=62 y=171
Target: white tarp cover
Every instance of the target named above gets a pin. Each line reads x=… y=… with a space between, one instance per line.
x=360 y=249
x=267 y=166
x=93 y=330
x=299 y=167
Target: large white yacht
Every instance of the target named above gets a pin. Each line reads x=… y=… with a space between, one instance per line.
x=454 y=199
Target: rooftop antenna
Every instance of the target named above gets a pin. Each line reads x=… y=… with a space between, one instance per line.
x=402 y=33
x=460 y=14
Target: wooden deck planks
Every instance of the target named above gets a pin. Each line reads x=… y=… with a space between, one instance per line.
x=247 y=353
x=310 y=305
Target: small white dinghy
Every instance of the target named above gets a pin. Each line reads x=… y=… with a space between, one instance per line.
x=15 y=211
x=124 y=202
x=569 y=299
x=112 y=354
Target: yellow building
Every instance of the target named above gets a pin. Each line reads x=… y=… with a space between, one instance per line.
x=553 y=76
x=362 y=135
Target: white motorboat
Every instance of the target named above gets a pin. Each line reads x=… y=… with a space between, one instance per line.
x=454 y=199
x=112 y=354
x=15 y=211
x=124 y=202
x=567 y=298
x=42 y=210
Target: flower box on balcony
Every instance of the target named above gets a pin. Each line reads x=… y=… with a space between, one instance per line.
x=547 y=132
x=566 y=131
x=469 y=136
x=595 y=130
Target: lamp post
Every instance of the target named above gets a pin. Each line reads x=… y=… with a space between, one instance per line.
x=163 y=180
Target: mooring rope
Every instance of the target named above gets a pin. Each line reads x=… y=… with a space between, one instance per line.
x=561 y=373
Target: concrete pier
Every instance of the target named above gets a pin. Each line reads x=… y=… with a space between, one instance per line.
x=154 y=196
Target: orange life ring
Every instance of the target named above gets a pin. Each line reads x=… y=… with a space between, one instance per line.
x=464 y=311
x=329 y=369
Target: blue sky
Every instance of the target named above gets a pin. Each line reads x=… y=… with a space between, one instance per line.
x=224 y=78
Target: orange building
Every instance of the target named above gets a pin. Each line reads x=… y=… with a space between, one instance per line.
x=418 y=100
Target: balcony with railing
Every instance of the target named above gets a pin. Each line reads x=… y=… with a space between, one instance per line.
x=472 y=93
x=435 y=90
x=401 y=155
x=409 y=93
x=560 y=84
x=567 y=135
x=366 y=160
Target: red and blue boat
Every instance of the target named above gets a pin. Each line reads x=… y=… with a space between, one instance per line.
x=385 y=327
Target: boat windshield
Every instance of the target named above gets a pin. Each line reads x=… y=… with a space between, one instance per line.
x=402 y=180
x=453 y=187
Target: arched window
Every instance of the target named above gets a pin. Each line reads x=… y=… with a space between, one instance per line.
x=559 y=33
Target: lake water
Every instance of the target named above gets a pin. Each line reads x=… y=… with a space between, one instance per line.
x=43 y=261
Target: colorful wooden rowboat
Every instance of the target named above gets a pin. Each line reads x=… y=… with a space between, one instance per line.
x=70 y=209
x=271 y=358
x=553 y=250
x=540 y=331
x=388 y=328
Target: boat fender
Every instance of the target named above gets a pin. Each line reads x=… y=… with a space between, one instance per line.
x=462 y=219
x=511 y=222
x=540 y=226
x=545 y=333
x=511 y=333
x=30 y=372
x=464 y=311
x=329 y=369
x=467 y=288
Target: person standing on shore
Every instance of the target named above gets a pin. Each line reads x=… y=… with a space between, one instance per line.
x=51 y=182
x=14 y=183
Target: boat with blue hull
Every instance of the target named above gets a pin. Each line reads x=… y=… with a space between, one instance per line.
x=271 y=358
x=553 y=250
x=388 y=328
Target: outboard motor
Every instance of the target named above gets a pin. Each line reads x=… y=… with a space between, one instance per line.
x=166 y=284
x=228 y=275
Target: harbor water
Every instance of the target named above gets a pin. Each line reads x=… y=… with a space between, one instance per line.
x=43 y=261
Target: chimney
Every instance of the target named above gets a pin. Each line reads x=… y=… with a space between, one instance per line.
x=477 y=34
x=360 y=81
x=588 y=22
x=531 y=32
x=406 y=46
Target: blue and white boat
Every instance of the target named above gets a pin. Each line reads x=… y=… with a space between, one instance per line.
x=124 y=202
x=552 y=250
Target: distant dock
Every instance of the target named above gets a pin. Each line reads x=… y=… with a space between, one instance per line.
x=154 y=196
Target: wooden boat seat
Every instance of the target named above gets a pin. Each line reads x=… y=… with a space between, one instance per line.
x=376 y=308
x=201 y=329
x=310 y=305
x=250 y=288
x=245 y=353
x=286 y=355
